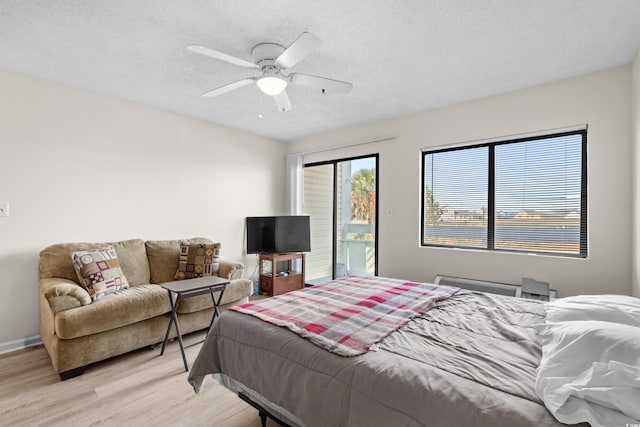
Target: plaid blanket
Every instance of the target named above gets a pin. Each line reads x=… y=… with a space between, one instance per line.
x=348 y=315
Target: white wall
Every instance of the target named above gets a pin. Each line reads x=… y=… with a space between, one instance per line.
x=635 y=125
x=602 y=100
x=79 y=166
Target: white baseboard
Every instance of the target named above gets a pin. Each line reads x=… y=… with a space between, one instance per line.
x=8 y=347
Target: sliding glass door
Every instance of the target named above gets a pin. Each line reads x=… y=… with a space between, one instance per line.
x=340 y=196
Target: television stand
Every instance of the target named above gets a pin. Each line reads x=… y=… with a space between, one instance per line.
x=276 y=282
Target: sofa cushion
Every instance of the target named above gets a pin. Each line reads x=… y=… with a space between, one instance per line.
x=55 y=260
x=123 y=308
x=236 y=291
x=99 y=271
x=198 y=260
x=164 y=257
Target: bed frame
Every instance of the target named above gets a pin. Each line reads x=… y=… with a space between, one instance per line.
x=262 y=412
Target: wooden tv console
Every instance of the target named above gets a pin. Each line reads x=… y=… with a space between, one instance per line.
x=276 y=282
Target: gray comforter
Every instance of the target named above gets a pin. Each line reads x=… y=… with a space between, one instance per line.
x=470 y=361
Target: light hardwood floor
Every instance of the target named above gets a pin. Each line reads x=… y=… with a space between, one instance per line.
x=140 y=388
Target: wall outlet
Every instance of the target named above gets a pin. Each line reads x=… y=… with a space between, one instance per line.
x=4 y=209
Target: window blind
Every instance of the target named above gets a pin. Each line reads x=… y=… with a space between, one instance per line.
x=455 y=198
x=527 y=194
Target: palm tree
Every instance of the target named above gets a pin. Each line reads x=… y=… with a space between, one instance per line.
x=363 y=196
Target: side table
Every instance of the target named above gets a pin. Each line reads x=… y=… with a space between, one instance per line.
x=191 y=288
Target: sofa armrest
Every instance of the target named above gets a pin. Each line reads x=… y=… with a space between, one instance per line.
x=231 y=270
x=63 y=294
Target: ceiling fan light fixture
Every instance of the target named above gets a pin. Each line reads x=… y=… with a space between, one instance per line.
x=271 y=85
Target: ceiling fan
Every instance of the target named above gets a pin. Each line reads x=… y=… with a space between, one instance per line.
x=271 y=60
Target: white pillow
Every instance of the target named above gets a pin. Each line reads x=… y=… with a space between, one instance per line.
x=590 y=372
x=607 y=308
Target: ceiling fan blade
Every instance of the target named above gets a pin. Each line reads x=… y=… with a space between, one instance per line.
x=299 y=49
x=229 y=87
x=221 y=56
x=325 y=85
x=282 y=101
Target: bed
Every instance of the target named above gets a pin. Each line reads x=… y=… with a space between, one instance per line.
x=470 y=359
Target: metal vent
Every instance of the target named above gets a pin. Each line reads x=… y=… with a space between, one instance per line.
x=480 y=285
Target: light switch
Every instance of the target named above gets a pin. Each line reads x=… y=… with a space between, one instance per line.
x=4 y=209
x=389 y=211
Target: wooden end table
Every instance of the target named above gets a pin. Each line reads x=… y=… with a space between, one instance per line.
x=187 y=289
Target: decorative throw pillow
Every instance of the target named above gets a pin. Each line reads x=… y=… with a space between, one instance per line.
x=99 y=271
x=198 y=260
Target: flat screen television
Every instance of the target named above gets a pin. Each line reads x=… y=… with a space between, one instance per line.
x=278 y=234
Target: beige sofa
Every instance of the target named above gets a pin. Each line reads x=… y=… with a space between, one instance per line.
x=77 y=332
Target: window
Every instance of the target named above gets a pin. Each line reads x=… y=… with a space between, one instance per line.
x=526 y=194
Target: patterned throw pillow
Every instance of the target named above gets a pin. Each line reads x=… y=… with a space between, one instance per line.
x=198 y=260
x=99 y=271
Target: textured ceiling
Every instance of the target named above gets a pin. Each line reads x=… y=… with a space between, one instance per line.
x=402 y=56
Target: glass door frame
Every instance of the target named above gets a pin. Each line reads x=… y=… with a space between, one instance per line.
x=334 y=236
